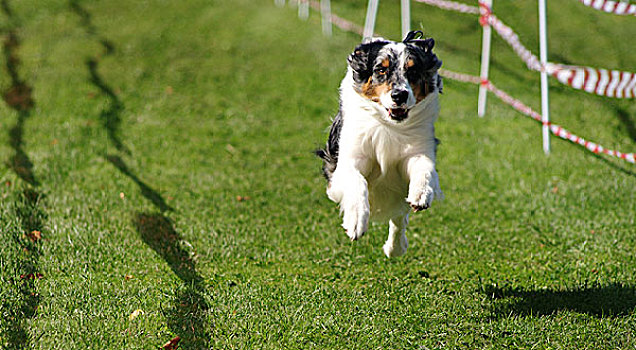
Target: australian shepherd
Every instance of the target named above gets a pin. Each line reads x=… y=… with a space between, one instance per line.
x=379 y=160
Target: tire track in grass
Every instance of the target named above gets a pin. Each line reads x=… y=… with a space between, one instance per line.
x=186 y=317
x=23 y=229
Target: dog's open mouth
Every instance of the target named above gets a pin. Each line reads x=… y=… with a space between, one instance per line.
x=398 y=114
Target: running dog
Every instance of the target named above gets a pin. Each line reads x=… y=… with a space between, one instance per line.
x=379 y=159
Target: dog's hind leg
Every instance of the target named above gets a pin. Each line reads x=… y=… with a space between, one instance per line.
x=396 y=244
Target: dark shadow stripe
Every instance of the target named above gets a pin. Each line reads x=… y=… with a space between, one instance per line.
x=603 y=301
x=146 y=191
x=187 y=314
x=111 y=115
x=23 y=236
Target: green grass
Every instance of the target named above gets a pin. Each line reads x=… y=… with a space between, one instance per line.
x=149 y=118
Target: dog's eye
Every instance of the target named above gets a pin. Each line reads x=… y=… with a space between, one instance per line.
x=381 y=70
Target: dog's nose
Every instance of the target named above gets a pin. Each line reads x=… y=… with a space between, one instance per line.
x=399 y=96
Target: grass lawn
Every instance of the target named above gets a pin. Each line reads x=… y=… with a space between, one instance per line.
x=157 y=180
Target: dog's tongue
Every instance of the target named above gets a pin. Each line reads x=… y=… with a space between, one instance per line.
x=398 y=113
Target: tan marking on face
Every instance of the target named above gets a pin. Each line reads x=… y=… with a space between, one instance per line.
x=385 y=63
x=420 y=91
x=410 y=63
x=374 y=91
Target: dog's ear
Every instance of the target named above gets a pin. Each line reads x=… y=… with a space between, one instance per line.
x=436 y=63
x=358 y=60
x=362 y=58
x=431 y=62
x=415 y=37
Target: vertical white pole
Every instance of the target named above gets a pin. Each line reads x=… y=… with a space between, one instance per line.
x=369 y=22
x=325 y=10
x=303 y=9
x=485 y=58
x=543 y=57
x=406 y=17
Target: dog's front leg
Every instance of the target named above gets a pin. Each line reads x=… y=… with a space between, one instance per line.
x=349 y=188
x=423 y=182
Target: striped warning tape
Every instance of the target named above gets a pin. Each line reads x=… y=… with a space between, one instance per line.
x=604 y=82
x=514 y=103
x=597 y=81
x=527 y=111
x=451 y=5
x=506 y=33
x=615 y=7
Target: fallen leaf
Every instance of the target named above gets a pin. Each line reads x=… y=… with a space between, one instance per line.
x=243 y=198
x=128 y=277
x=169 y=90
x=35 y=235
x=172 y=344
x=32 y=276
x=555 y=189
x=7 y=183
x=122 y=195
x=54 y=142
x=135 y=313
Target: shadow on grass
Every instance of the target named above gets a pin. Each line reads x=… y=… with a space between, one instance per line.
x=611 y=164
x=23 y=300
x=146 y=191
x=25 y=236
x=603 y=301
x=624 y=118
x=110 y=116
x=186 y=317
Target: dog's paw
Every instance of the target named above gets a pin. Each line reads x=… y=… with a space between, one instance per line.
x=356 y=219
x=393 y=250
x=422 y=194
x=421 y=198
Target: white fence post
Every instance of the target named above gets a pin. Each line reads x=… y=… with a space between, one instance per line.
x=369 y=22
x=303 y=9
x=325 y=11
x=484 y=8
x=543 y=57
x=406 y=17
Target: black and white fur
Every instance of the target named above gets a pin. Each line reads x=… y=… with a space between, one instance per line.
x=379 y=159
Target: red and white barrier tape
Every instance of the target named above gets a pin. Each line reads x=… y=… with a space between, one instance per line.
x=451 y=5
x=514 y=103
x=603 y=82
x=527 y=111
x=488 y=18
x=615 y=7
x=610 y=83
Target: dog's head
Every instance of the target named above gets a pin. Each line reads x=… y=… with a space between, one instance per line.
x=396 y=75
